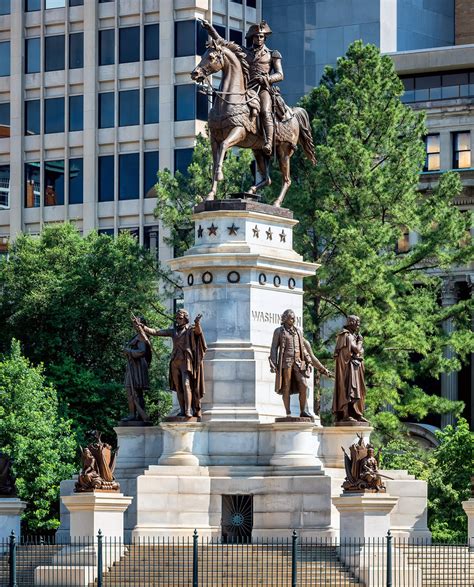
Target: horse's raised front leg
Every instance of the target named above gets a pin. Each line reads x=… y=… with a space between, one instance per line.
x=263 y=164
x=235 y=136
x=284 y=153
x=215 y=149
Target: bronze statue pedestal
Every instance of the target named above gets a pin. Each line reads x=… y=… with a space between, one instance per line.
x=351 y=424
x=294 y=419
x=11 y=509
x=134 y=423
x=182 y=419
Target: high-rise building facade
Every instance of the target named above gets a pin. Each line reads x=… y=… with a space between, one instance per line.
x=311 y=34
x=95 y=97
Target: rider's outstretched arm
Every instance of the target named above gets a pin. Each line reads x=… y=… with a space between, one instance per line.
x=211 y=30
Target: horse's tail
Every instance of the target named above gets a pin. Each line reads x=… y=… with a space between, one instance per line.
x=305 y=138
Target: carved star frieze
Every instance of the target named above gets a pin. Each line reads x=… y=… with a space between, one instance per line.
x=200 y=231
x=233 y=229
x=269 y=234
x=282 y=236
x=212 y=230
x=256 y=232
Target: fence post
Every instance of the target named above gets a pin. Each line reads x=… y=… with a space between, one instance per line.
x=195 y=558
x=100 y=566
x=389 y=559
x=294 y=570
x=12 y=560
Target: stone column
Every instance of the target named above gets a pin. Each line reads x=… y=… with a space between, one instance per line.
x=449 y=381
x=468 y=507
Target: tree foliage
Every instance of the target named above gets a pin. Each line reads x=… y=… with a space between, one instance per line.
x=35 y=436
x=353 y=207
x=68 y=300
x=447 y=469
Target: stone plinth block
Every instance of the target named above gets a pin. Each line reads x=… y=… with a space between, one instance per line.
x=184 y=444
x=364 y=516
x=11 y=509
x=468 y=507
x=73 y=576
x=294 y=444
x=139 y=446
x=91 y=512
x=333 y=438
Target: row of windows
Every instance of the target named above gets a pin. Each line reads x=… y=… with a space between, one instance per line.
x=54 y=53
x=461 y=151
x=442 y=86
x=54 y=115
x=55 y=179
x=33 y=5
x=129 y=44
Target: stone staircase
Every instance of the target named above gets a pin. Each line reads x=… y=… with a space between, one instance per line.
x=443 y=565
x=27 y=559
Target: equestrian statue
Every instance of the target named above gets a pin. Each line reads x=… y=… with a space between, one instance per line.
x=248 y=110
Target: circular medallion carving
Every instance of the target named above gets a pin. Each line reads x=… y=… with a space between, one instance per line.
x=207 y=277
x=233 y=277
x=190 y=279
x=291 y=283
x=262 y=279
x=277 y=281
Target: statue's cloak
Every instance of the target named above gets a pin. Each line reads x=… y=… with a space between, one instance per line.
x=349 y=386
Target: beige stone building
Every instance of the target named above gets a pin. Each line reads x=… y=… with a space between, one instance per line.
x=95 y=96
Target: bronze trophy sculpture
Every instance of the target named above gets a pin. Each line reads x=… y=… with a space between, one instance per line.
x=186 y=374
x=138 y=353
x=248 y=111
x=291 y=360
x=7 y=484
x=349 y=388
x=98 y=464
x=362 y=474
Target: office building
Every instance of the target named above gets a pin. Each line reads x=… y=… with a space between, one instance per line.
x=95 y=97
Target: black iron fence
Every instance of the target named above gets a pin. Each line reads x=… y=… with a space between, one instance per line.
x=203 y=562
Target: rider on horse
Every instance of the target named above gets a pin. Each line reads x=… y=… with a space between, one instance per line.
x=264 y=69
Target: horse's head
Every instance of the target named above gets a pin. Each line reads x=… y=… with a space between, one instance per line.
x=212 y=61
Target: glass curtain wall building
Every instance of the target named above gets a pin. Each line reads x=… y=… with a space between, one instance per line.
x=95 y=97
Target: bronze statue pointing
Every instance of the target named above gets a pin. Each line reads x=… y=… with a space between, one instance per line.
x=186 y=375
x=349 y=388
x=248 y=110
x=291 y=360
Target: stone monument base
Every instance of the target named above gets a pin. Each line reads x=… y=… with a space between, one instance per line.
x=11 y=509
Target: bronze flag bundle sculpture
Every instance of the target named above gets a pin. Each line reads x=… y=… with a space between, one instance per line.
x=248 y=110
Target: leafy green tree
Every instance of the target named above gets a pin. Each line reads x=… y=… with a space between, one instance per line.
x=68 y=299
x=178 y=193
x=447 y=469
x=35 y=436
x=353 y=208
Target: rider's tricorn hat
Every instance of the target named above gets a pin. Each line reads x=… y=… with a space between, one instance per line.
x=262 y=27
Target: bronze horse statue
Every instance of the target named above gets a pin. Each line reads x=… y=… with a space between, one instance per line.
x=233 y=120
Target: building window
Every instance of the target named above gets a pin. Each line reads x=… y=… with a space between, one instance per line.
x=53 y=115
x=129 y=185
x=76 y=2
x=182 y=160
x=106 y=110
x=189 y=104
x=236 y=36
x=76 y=113
x=454 y=84
x=107 y=47
x=462 y=150
x=54 y=53
x=32 y=5
x=129 y=107
x=105 y=1
x=152 y=41
x=53 y=183
x=4 y=7
x=32 y=185
x=106 y=232
x=4 y=187
x=129 y=44
x=55 y=3
x=32 y=117
x=403 y=243
x=106 y=178
x=151 y=166
x=4 y=58
x=189 y=38
x=432 y=161
x=76 y=50
x=151 y=240
x=76 y=181
x=152 y=105
x=32 y=55
x=4 y=119
x=252 y=3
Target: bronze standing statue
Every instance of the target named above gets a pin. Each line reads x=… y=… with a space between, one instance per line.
x=248 y=110
x=138 y=353
x=291 y=360
x=349 y=387
x=186 y=375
